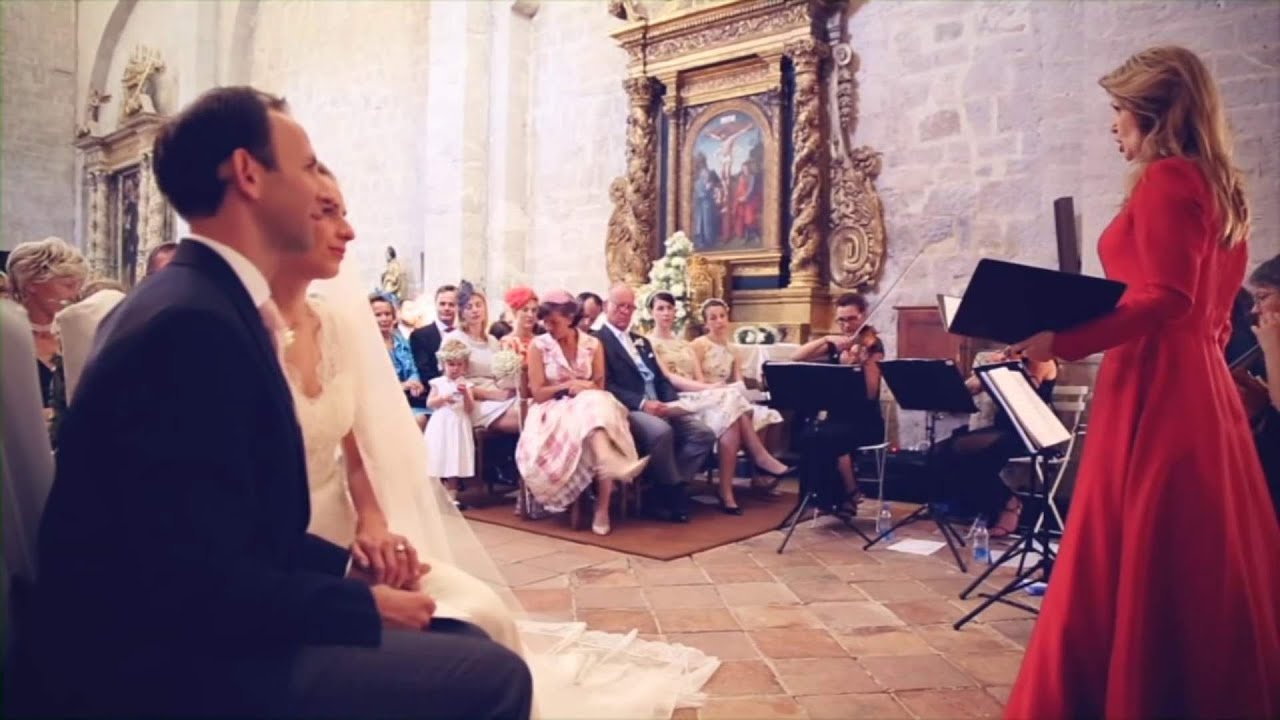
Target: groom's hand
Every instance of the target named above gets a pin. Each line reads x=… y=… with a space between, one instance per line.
x=389 y=558
x=403 y=608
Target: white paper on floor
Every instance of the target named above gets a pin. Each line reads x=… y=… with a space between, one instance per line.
x=917 y=547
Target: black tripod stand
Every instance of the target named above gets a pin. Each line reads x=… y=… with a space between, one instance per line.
x=1036 y=542
x=935 y=387
x=810 y=390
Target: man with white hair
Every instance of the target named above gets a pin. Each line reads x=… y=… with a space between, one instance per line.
x=677 y=443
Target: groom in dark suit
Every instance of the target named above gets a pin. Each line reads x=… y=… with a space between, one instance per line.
x=176 y=574
x=677 y=443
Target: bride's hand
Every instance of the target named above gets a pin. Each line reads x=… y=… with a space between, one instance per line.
x=388 y=557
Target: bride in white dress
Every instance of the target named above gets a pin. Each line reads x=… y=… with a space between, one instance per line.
x=369 y=490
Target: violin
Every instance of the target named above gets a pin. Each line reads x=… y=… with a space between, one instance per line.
x=864 y=342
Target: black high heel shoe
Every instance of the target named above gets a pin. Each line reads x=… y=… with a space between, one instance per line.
x=729 y=510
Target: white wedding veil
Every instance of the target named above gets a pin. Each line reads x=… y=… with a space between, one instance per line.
x=391 y=445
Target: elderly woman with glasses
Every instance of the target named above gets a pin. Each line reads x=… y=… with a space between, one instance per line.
x=45 y=276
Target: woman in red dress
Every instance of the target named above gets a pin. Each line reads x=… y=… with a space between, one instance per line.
x=1165 y=600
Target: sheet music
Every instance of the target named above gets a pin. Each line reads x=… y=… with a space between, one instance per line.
x=1016 y=394
x=948 y=304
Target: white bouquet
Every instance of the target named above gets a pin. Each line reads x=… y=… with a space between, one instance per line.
x=506 y=367
x=755 y=335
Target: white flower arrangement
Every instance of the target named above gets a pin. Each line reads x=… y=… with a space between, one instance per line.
x=506 y=363
x=755 y=335
x=670 y=273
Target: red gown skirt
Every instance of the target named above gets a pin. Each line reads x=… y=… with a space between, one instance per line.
x=1165 y=600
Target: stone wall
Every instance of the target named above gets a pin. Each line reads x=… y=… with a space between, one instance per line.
x=37 y=54
x=986 y=112
x=578 y=143
x=354 y=74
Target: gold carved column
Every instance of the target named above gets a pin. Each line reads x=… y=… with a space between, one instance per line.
x=632 y=227
x=809 y=167
x=99 y=236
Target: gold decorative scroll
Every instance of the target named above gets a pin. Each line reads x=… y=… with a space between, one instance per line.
x=707 y=279
x=857 y=219
x=629 y=249
x=807 y=170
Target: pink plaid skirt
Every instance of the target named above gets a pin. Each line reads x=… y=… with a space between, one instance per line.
x=552 y=454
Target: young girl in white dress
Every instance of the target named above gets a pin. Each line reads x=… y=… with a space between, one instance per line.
x=451 y=450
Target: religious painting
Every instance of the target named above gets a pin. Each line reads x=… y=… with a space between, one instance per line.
x=728 y=197
x=129 y=183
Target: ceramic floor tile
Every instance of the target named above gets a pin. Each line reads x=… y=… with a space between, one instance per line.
x=690 y=620
x=605 y=577
x=659 y=576
x=761 y=617
x=724 y=574
x=619 y=621
x=948 y=704
x=743 y=677
x=608 y=598
x=848 y=616
x=683 y=596
x=914 y=672
x=733 y=645
x=770 y=707
x=1000 y=668
x=796 y=643
x=880 y=706
x=741 y=594
x=824 y=676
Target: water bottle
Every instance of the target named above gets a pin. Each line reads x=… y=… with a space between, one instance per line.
x=981 y=544
x=884 y=521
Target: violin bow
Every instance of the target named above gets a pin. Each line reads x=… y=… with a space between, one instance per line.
x=887 y=293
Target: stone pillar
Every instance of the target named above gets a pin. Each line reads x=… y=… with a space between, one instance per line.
x=642 y=186
x=98 y=241
x=809 y=167
x=456 y=141
x=152 y=213
x=509 y=150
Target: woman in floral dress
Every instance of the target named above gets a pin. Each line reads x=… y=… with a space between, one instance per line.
x=718 y=401
x=575 y=432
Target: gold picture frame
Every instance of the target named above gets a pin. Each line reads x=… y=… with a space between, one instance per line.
x=730 y=173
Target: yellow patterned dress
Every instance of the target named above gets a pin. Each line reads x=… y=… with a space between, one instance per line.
x=719 y=408
x=718 y=363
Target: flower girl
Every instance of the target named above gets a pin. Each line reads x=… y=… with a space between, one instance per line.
x=451 y=453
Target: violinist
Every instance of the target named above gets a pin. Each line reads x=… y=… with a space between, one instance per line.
x=845 y=430
x=1261 y=396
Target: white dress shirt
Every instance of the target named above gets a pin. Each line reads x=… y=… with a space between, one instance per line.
x=250 y=276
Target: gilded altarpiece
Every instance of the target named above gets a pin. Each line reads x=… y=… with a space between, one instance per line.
x=737 y=135
x=126 y=215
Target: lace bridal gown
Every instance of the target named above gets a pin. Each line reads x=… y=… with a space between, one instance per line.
x=577 y=672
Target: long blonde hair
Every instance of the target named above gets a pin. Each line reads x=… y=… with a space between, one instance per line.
x=1178 y=107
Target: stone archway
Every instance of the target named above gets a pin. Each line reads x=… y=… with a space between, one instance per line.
x=111 y=35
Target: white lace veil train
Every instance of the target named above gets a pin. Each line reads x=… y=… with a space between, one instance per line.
x=578 y=673
x=392 y=447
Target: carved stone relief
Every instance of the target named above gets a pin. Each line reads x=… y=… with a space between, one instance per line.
x=631 y=228
x=857 y=219
x=137 y=83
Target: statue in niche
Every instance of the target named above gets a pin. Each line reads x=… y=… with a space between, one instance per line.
x=624 y=257
x=627 y=10
x=138 y=82
x=394 y=282
x=96 y=100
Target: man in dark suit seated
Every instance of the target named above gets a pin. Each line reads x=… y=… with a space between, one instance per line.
x=677 y=443
x=425 y=341
x=176 y=574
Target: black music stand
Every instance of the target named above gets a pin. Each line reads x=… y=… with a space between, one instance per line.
x=809 y=389
x=1036 y=541
x=936 y=388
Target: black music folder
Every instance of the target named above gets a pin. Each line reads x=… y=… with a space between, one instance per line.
x=1009 y=302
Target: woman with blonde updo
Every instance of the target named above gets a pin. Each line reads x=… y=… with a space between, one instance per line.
x=1165 y=598
x=45 y=276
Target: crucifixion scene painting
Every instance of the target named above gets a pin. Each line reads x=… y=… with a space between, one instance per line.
x=728 y=184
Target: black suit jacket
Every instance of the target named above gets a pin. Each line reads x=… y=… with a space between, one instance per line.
x=425 y=343
x=176 y=526
x=622 y=377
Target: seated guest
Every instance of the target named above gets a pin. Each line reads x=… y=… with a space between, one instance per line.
x=678 y=443
x=718 y=401
x=159 y=257
x=46 y=276
x=575 y=432
x=410 y=318
x=501 y=327
x=973 y=457
x=590 y=306
x=425 y=341
x=850 y=428
x=522 y=304
x=1262 y=396
x=495 y=405
x=401 y=356
x=77 y=324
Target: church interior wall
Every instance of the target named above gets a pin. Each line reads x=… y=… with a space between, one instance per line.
x=37 y=162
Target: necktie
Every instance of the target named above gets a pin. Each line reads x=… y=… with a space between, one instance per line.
x=274 y=322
